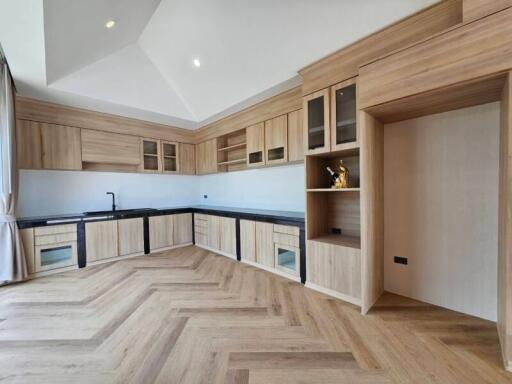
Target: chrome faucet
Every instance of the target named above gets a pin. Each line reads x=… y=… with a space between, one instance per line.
x=113 y=200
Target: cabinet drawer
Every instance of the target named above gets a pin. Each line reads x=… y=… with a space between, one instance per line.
x=56 y=238
x=285 y=239
x=53 y=229
x=287 y=229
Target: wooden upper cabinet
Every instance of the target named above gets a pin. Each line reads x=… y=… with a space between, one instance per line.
x=276 y=140
x=473 y=50
x=255 y=137
x=295 y=136
x=343 y=113
x=170 y=157
x=60 y=147
x=187 y=159
x=151 y=158
x=28 y=144
x=206 y=157
x=316 y=122
x=476 y=9
x=110 y=148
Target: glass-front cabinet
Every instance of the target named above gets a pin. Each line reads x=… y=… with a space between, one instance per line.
x=343 y=115
x=169 y=157
x=316 y=122
x=287 y=259
x=151 y=155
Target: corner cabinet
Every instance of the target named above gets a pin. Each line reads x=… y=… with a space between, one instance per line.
x=187 y=159
x=317 y=136
x=206 y=157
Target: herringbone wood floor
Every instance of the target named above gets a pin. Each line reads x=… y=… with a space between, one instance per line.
x=190 y=316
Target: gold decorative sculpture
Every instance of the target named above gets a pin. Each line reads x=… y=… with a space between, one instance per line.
x=342 y=181
x=339 y=180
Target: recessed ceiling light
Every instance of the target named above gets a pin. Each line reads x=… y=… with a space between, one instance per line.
x=197 y=63
x=110 y=24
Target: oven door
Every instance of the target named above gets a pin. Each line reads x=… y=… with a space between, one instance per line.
x=57 y=255
x=287 y=259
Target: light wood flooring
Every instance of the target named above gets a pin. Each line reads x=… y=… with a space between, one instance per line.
x=190 y=316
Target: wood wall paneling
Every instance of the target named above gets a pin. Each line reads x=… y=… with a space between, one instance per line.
x=345 y=63
x=476 y=9
x=446 y=59
x=187 y=159
x=28 y=144
x=60 y=147
x=505 y=227
x=101 y=241
x=130 y=236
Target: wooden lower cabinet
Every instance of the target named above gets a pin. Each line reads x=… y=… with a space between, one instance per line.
x=265 y=244
x=216 y=233
x=335 y=268
x=227 y=235
x=248 y=240
x=101 y=240
x=161 y=232
x=131 y=236
x=182 y=228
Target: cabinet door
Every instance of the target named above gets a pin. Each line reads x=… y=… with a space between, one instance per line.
x=161 y=232
x=61 y=147
x=316 y=122
x=151 y=159
x=276 y=140
x=110 y=148
x=206 y=157
x=214 y=232
x=101 y=240
x=170 y=163
x=227 y=235
x=187 y=159
x=248 y=240
x=28 y=144
x=182 y=226
x=265 y=244
x=295 y=136
x=201 y=229
x=255 y=137
x=343 y=115
x=131 y=236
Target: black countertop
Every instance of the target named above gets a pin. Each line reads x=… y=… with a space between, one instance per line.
x=289 y=216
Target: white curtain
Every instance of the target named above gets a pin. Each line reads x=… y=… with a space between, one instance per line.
x=13 y=266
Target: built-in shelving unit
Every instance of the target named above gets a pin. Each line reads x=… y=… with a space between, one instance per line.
x=232 y=152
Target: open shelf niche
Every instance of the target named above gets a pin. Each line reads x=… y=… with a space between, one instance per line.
x=232 y=152
x=333 y=214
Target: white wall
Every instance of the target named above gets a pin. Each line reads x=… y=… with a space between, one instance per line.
x=440 y=208
x=61 y=192
x=280 y=188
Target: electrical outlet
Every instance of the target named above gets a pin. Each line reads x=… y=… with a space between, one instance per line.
x=336 y=231
x=401 y=260
x=205 y=196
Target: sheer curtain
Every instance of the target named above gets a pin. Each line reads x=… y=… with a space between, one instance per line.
x=13 y=266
